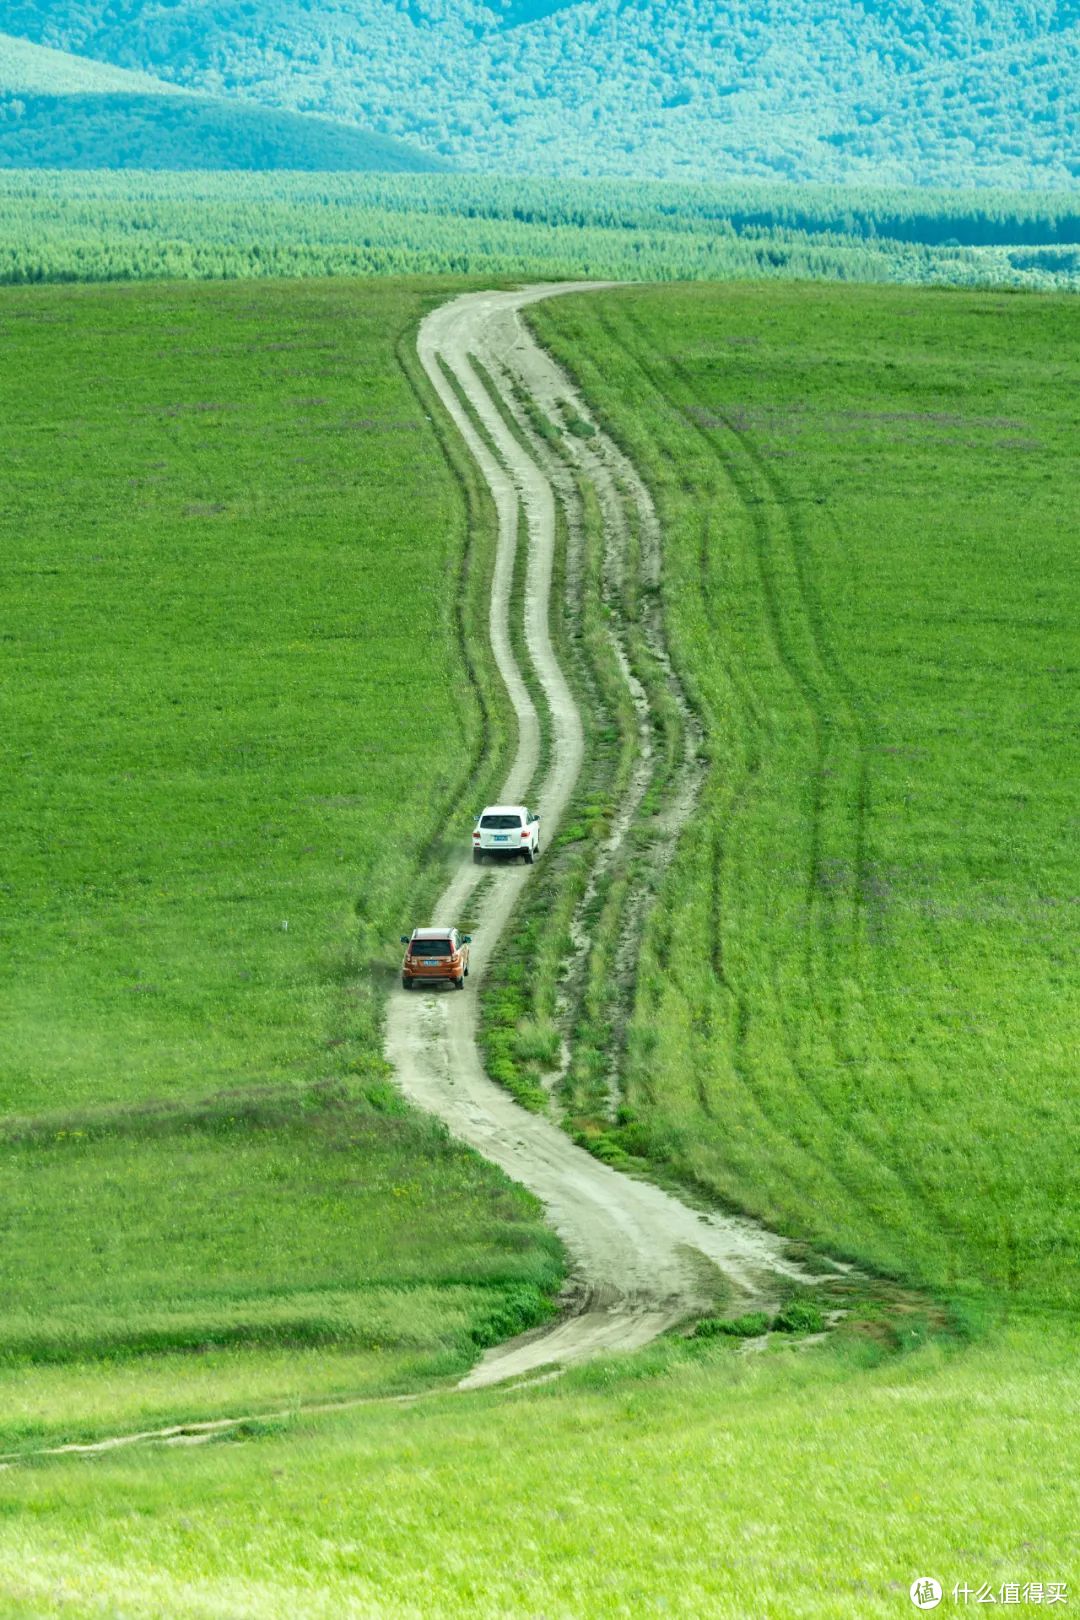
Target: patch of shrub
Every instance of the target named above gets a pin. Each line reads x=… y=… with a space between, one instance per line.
x=517 y=1309
x=750 y=1326
x=799 y=1316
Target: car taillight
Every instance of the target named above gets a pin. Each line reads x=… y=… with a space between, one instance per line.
x=524 y=832
x=476 y=834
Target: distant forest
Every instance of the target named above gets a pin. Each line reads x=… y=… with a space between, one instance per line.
x=885 y=92
x=127 y=226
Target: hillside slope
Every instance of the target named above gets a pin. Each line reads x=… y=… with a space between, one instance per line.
x=41 y=70
x=913 y=93
x=60 y=111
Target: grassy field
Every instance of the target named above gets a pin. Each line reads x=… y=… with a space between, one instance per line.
x=684 y=1481
x=211 y=493
x=253 y=1253
x=228 y=531
x=853 y=1012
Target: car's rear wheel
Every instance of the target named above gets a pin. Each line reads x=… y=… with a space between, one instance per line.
x=478 y=857
x=460 y=982
x=406 y=984
x=527 y=856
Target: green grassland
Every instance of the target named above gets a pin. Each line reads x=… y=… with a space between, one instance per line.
x=229 y=525
x=687 y=1480
x=259 y=1251
x=210 y=495
x=853 y=1011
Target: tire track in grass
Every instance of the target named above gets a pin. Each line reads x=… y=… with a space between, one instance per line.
x=781 y=1127
x=834 y=700
x=794 y=635
x=825 y=690
x=817 y=678
x=741 y=1020
x=665 y=767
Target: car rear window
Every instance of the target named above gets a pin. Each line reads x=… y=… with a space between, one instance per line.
x=431 y=947
x=500 y=823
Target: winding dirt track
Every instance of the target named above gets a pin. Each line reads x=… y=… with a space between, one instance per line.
x=641 y=1260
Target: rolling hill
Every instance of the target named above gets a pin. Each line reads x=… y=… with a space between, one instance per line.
x=871 y=92
x=32 y=69
x=62 y=111
x=230 y=526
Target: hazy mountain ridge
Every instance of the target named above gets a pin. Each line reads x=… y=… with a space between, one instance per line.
x=179 y=131
x=967 y=91
x=40 y=70
x=59 y=111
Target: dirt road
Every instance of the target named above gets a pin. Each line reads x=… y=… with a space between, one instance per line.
x=641 y=1260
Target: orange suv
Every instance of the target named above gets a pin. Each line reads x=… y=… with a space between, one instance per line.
x=434 y=956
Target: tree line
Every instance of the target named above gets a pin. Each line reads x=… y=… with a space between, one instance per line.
x=60 y=226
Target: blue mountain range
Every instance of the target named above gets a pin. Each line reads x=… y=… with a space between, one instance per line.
x=954 y=92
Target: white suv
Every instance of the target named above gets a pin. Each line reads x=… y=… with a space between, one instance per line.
x=506 y=829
